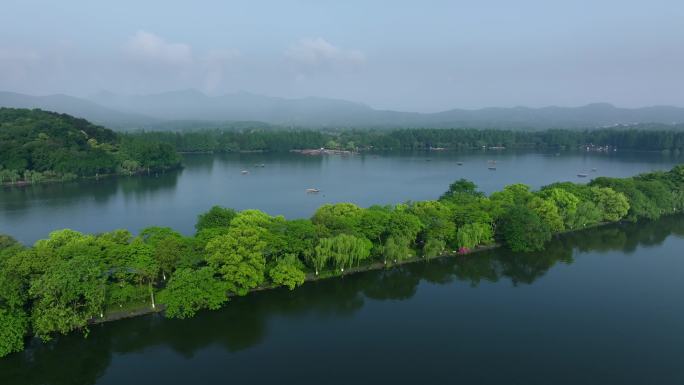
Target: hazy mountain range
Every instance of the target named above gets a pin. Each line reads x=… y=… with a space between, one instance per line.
x=190 y=108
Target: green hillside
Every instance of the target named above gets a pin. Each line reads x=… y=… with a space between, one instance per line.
x=37 y=145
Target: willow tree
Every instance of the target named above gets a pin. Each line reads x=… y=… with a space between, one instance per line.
x=474 y=234
x=344 y=250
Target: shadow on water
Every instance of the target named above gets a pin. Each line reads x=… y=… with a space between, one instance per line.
x=244 y=322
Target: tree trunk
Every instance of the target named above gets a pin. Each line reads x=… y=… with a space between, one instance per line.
x=154 y=306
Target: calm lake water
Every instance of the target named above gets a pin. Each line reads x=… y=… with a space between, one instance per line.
x=597 y=307
x=175 y=199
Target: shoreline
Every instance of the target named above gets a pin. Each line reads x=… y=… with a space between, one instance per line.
x=23 y=183
x=137 y=312
x=375 y=266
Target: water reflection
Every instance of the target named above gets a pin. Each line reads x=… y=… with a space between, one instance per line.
x=65 y=196
x=245 y=322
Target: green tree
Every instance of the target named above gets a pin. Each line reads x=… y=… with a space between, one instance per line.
x=524 y=230
x=337 y=218
x=396 y=249
x=288 y=272
x=548 y=212
x=436 y=219
x=511 y=195
x=433 y=248
x=344 y=250
x=189 y=291
x=565 y=201
x=217 y=216
x=474 y=234
x=374 y=222
x=587 y=214
x=238 y=256
x=6 y=241
x=319 y=258
x=69 y=294
x=13 y=296
x=461 y=186
x=13 y=328
x=614 y=205
x=168 y=247
x=145 y=269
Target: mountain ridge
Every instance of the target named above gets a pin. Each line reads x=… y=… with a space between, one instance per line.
x=148 y=110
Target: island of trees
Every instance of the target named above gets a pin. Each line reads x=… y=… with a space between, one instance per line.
x=69 y=280
x=38 y=146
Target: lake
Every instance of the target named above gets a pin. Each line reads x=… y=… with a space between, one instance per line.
x=603 y=306
x=175 y=199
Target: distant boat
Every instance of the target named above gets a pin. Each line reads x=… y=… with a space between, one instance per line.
x=312 y=191
x=459 y=163
x=593 y=170
x=582 y=175
x=244 y=172
x=492 y=167
x=260 y=165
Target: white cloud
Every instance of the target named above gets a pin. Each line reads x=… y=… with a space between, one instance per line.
x=314 y=55
x=155 y=63
x=150 y=47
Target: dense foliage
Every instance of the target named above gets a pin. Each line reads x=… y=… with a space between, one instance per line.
x=640 y=137
x=62 y=283
x=37 y=145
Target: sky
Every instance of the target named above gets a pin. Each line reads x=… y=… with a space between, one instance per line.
x=403 y=55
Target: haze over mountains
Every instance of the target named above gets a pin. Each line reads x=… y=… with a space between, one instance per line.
x=157 y=111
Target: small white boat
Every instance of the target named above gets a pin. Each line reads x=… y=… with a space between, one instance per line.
x=244 y=172
x=312 y=191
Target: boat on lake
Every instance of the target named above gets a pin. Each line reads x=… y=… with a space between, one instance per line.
x=492 y=167
x=582 y=175
x=244 y=172
x=312 y=191
x=459 y=163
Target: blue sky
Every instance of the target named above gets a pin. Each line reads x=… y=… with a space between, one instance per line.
x=407 y=55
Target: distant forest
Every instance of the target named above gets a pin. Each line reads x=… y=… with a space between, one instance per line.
x=644 y=137
x=37 y=145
